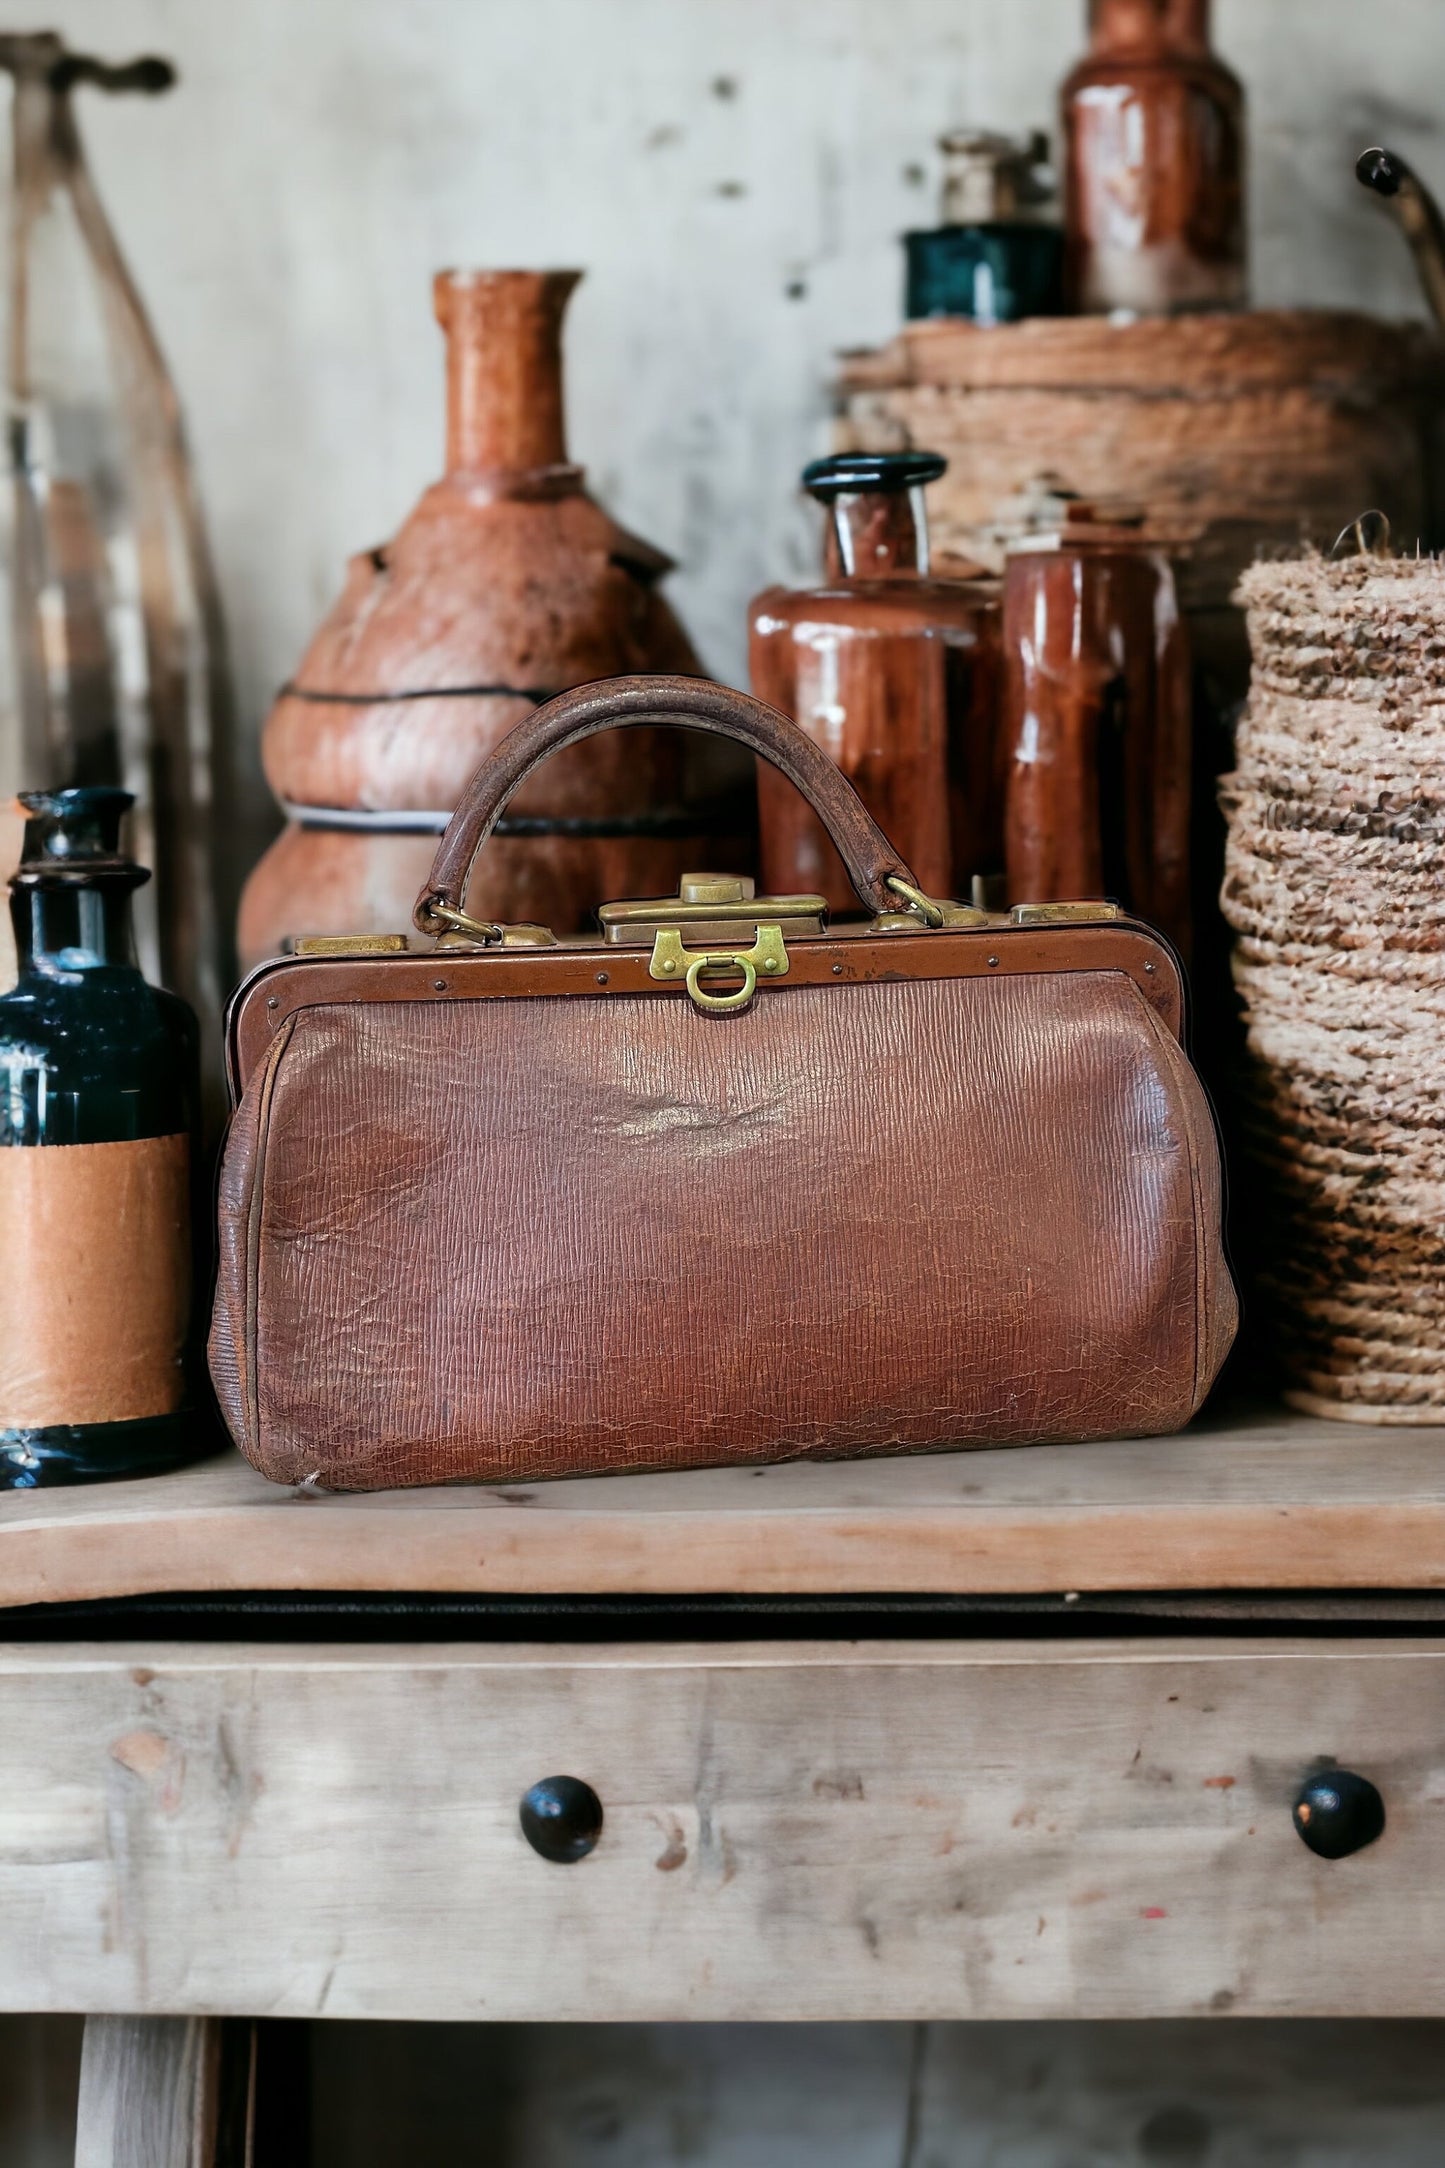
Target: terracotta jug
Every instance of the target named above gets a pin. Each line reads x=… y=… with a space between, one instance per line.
x=894 y=672
x=506 y=584
x=1153 y=126
x=1096 y=724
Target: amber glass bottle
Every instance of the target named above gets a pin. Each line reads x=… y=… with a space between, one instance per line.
x=894 y=672
x=98 y=1099
x=1153 y=127
x=1096 y=724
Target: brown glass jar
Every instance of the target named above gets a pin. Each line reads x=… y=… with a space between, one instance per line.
x=1096 y=724
x=894 y=672
x=1153 y=128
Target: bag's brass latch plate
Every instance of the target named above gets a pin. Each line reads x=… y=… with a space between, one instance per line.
x=1065 y=914
x=739 y=936
x=351 y=944
x=768 y=957
x=712 y=907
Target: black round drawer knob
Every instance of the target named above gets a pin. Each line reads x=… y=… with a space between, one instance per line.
x=561 y=1818
x=1338 y=1813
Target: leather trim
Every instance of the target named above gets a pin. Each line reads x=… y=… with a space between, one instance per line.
x=256 y=1205
x=280 y=989
x=1204 y=1220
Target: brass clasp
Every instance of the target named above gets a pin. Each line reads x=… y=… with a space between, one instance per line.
x=736 y=932
x=671 y=960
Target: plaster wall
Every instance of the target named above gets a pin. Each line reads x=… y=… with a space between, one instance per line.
x=733 y=176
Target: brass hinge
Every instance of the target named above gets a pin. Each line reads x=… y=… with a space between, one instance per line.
x=1064 y=914
x=708 y=901
x=350 y=944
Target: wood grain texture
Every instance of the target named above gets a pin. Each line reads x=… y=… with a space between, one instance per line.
x=827 y=1831
x=1235 y=430
x=164 y=2092
x=1274 y=1500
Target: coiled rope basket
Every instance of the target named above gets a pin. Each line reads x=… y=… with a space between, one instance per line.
x=1335 y=889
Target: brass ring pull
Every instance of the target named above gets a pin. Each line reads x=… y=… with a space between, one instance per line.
x=455 y=921
x=767 y=958
x=928 y=910
x=722 y=1003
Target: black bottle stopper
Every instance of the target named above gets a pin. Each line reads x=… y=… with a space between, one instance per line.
x=74 y=835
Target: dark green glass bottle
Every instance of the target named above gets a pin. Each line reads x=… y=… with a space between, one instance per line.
x=995 y=258
x=98 y=1106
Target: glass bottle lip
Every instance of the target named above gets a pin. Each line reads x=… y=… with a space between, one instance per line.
x=74 y=835
x=857 y=474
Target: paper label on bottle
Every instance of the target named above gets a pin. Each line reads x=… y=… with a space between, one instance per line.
x=95 y=1280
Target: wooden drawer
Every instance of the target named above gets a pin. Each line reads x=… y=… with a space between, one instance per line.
x=792 y=1830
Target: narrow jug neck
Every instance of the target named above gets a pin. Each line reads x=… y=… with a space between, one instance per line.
x=504 y=368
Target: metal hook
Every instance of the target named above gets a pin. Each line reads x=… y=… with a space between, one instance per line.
x=1371 y=532
x=1417 y=214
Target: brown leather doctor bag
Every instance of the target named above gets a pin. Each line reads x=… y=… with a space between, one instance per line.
x=722 y=1184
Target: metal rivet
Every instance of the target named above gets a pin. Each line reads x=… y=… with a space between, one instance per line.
x=602 y=978
x=273 y=1003
x=440 y=985
x=1150 y=969
x=837 y=971
x=993 y=960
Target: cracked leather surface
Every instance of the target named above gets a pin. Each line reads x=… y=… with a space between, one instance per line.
x=533 y=1237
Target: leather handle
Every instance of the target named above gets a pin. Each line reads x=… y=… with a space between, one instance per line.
x=695 y=704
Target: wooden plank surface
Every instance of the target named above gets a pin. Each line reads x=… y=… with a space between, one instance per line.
x=1269 y=1500
x=1275 y=1500
x=791 y=1830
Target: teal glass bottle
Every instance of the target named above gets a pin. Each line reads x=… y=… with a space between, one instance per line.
x=997 y=256
x=98 y=1105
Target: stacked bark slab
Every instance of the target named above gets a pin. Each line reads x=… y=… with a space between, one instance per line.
x=1335 y=889
x=1273 y=426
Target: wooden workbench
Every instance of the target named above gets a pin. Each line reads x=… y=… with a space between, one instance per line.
x=1263 y=1500
x=993 y=1817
